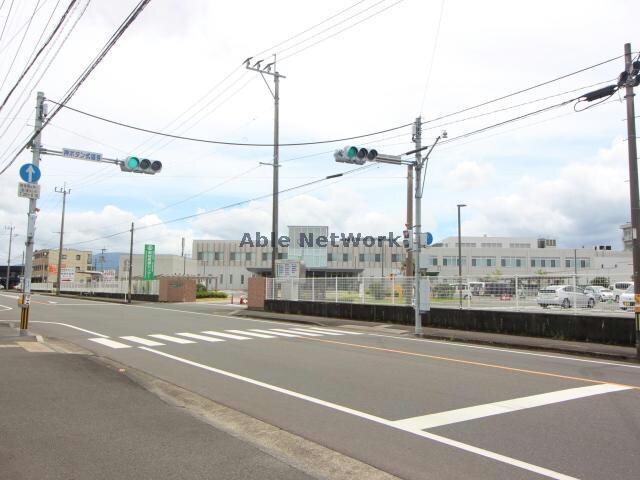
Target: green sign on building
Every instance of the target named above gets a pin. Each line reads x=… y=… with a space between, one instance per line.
x=149 y=261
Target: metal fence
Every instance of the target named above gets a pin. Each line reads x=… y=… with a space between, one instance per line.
x=146 y=287
x=566 y=293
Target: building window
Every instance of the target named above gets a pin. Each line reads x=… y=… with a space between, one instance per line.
x=233 y=256
x=247 y=256
x=265 y=256
x=218 y=256
x=567 y=263
x=489 y=245
x=329 y=257
x=200 y=256
x=231 y=279
x=282 y=255
x=377 y=258
x=77 y=257
x=483 y=262
x=361 y=257
x=221 y=279
x=241 y=279
x=345 y=257
x=395 y=257
x=533 y=262
x=519 y=245
x=64 y=257
x=453 y=261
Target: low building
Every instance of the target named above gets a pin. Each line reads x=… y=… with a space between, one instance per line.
x=76 y=265
x=164 y=265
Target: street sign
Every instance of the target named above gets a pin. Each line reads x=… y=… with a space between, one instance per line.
x=29 y=173
x=149 y=261
x=81 y=154
x=428 y=239
x=67 y=274
x=29 y=190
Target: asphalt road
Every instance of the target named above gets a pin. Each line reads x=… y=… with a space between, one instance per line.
x=414 y=408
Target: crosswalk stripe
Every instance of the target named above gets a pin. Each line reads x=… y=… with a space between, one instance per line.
x=306 y=334
x=169 y=338
x=280 y=334
x=314 y=331
x=252 y=334
x=322 y=329
x=226 y=335
x=143 y=341
x=200 y=337
x=109 y=343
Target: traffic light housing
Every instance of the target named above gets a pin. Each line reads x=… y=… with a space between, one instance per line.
x=141 y=165
x=353 y=154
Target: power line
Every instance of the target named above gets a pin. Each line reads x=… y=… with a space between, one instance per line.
x=74 y=88
x=6 y=20
x=433 y=57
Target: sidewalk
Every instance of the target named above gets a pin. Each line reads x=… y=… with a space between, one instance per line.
x=612 y=352
x=70 y=416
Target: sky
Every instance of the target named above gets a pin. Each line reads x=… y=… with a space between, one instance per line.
x=350 y=68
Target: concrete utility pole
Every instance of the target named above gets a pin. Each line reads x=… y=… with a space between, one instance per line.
x=31 y=221
x=184 y=260
x=102 y=250
x=130 y=263
x=267 y=69
x=10 y=228
x=633 y=185
x=415 y=238
x=409 y=263
x=64 y=193
x=460 y=205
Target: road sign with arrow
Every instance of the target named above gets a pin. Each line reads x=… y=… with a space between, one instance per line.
x=29 y=173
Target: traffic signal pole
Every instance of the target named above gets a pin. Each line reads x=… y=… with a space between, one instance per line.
x=633 y=189
x=415 y=238
x=64 y=193
x=31 y=221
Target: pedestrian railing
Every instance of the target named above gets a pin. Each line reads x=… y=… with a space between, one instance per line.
x=145 y=287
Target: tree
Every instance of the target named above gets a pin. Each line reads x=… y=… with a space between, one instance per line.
x=601 y=281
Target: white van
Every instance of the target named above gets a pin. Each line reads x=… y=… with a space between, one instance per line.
x=618 y=288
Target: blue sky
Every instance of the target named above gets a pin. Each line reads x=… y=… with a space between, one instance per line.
x=559 y=174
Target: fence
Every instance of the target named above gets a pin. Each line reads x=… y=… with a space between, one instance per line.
x=145 y=287
x=569 y=293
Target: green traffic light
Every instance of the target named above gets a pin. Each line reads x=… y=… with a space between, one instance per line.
x=133 y=162
x=352 y=152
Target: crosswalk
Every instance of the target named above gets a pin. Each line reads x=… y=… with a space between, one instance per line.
x=215 y=336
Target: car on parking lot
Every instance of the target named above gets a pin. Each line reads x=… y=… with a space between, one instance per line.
x=565 y=296
x=618 y=288
x=628 y=298
x=600 y=293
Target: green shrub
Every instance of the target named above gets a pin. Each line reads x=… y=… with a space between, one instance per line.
x=214 y=294
x=442 y=290
x=201 y=288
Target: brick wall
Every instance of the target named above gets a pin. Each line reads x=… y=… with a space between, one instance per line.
x=257 y=288
x=177 y=289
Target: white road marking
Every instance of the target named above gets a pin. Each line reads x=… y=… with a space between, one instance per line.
x=169 y=338
x=434 y=420
x=389 y=423
x=51 y=301
x=71 y=326
x=143 y=341
x=226 y=335
x=296 y=332
x=251 y=334
x=5 y=307
x=279 y=334
x=110 y=343
x=506 y=350
x=322 y=329
x=200 y=337
x=315 y=331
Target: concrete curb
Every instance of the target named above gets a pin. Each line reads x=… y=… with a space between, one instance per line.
x=497 y=342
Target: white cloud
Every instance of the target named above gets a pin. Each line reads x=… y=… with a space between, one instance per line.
x=469 y=174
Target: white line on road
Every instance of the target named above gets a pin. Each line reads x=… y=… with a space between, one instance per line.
x=6 y=308
x=71 y=326
x=306 y=334
x=389 y=423
x=200 y=337
x=322 y=329
x=226 y=335
x=434 y=420
x=169 y=338
x=251 y=334
x=143 y=341
x=110 y=343
x=279 y=334
x=315 y=332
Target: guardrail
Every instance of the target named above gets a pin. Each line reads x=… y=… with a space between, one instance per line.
x=567 y=293
x=145 y=287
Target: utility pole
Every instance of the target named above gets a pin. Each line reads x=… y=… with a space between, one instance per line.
x=415 y=237
x=276 y=122
x=64 y=193
x=184 y=260
x=409 y=263
x=631 y=69
x=10 y=228
x=460 y=205
x=31 y=220
x=130 y=264
x=102 y=250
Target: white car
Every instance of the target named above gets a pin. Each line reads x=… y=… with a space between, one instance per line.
x=618 y=288
x=628 y=299
x=565 y=296
x=600 y=293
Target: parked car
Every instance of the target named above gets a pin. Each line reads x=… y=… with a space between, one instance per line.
x=565 y=296
x=628 y=298
x=600 y=293
x=618 y=288
x=460 y=290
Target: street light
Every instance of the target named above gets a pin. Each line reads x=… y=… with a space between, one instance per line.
x=460 y=205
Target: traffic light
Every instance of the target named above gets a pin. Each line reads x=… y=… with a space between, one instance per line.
x=406 y=239
x=352 y=154
x=141 y=165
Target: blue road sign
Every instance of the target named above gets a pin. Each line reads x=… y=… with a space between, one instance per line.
x=428 y=239
x=29 y=173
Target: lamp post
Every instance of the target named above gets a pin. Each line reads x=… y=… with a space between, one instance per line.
x=460 y=205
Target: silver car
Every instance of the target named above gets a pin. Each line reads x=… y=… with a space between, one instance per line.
x=628 y=299
x=600 y=293
x=565 y=296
